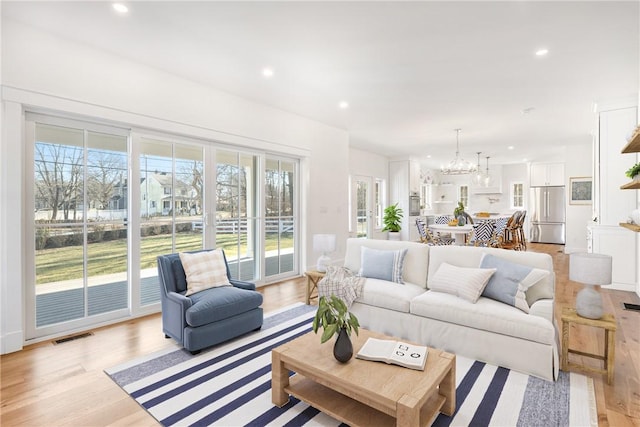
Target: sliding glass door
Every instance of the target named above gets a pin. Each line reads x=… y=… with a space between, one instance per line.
x=280 y=218
x=80 y=240
x=236 y=221
x=106 y=201
x=171 y=206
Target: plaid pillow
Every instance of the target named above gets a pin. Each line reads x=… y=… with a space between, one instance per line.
x=204 y=270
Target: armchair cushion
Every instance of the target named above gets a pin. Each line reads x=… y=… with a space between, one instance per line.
x=204 y=270
x=215 y=304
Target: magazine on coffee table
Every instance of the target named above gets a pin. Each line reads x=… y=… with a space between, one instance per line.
x=399 y=353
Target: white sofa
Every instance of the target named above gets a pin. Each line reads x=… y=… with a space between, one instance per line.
x=487 y=330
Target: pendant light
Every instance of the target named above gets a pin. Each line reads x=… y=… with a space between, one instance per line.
x=478 y=175
x=487 y=181
x=458 y=166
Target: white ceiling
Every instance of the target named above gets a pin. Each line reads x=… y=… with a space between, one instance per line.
x=412 y=72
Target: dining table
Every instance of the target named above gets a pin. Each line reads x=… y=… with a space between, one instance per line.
x=459 y=232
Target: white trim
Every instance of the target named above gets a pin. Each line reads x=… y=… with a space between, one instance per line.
x=11 y=228
x=49 y=104
x=620 y=287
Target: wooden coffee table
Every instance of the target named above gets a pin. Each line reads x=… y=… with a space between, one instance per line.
x=360 y=392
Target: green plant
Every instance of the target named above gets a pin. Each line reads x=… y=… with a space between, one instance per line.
x=333 y=315
x=459 y=210
x=633 y=171
x=392 y=218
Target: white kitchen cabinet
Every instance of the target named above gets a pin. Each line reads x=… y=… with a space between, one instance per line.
x=621 y=245
x=614 y=205
x=545 y=174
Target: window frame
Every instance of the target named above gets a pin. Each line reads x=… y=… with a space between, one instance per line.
x=512 y=195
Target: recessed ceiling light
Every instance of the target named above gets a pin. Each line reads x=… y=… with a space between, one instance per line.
x=120 y=8
x=267 y=72
x=428 y=156
x=344 y=105
x=542 y=52
x=511 y=147
x=524 y=160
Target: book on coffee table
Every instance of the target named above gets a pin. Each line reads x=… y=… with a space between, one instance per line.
x=396 y=352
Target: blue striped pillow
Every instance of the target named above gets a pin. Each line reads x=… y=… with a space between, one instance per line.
x=383 y=265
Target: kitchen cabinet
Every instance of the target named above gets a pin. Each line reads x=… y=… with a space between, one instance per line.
x=613 y=205
x=547 y=174
x=621 y=245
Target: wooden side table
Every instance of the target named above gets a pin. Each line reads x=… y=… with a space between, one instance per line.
x=313 y=277
x=608 y=323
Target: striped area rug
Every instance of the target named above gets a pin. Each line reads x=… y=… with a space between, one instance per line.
x=230 y=385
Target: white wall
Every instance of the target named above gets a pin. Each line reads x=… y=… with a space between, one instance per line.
x=578 y=163
x=45 y=72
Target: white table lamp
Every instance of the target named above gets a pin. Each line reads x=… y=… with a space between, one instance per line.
x=589 y=269
x=324 y=243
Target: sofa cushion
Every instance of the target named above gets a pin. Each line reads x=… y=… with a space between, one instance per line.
x=466 y=256
x=385 y=294
x=486 y=314
x=510 y=281
x=383 y=265
x=415 y=262
x=220 y=303
x=204 y=270
x=466 y=283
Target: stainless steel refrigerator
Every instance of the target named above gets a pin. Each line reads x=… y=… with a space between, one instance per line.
x=547 y=216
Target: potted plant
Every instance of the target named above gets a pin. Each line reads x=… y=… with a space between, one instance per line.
x=459 y=214
x=392 y=220
x=334 y=317
x=634 y=171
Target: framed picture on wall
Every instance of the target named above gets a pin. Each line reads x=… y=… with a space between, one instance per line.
x=581 y=189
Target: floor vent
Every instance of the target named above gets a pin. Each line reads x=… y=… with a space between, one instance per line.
x=73 y=337
x=632 y=307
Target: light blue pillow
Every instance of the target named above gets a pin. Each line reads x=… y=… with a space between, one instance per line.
x=510 y=281
x=384 y=265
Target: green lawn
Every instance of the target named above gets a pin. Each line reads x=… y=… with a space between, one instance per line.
x=53 y=265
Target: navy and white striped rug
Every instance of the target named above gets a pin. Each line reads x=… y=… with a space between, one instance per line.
x=230 y=385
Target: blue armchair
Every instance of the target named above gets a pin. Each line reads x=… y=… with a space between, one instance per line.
x=208 y=317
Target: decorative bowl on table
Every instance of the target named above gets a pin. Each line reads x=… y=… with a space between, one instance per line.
x=453 y=223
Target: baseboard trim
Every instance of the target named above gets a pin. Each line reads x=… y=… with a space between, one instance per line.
x=620 y=287
x=12 y=342
x=574 y=249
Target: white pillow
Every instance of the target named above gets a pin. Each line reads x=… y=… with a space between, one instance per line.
x=466 y=283
x=204 y=270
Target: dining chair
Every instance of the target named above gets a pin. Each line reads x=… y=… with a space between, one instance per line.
x=443 y=219
x=428 y=238
x=514 y=232
x=482 y=234
x=499 y=231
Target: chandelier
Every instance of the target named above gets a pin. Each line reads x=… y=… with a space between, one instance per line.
x=458 y=166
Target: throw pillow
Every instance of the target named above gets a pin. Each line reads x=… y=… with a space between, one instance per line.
x=383 y=265
x=510 y=281
x=466 y=283
x=204 y=270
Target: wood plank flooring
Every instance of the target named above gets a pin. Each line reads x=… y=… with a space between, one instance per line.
x=64 y=385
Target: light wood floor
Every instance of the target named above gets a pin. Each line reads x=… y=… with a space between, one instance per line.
x=64 y=385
